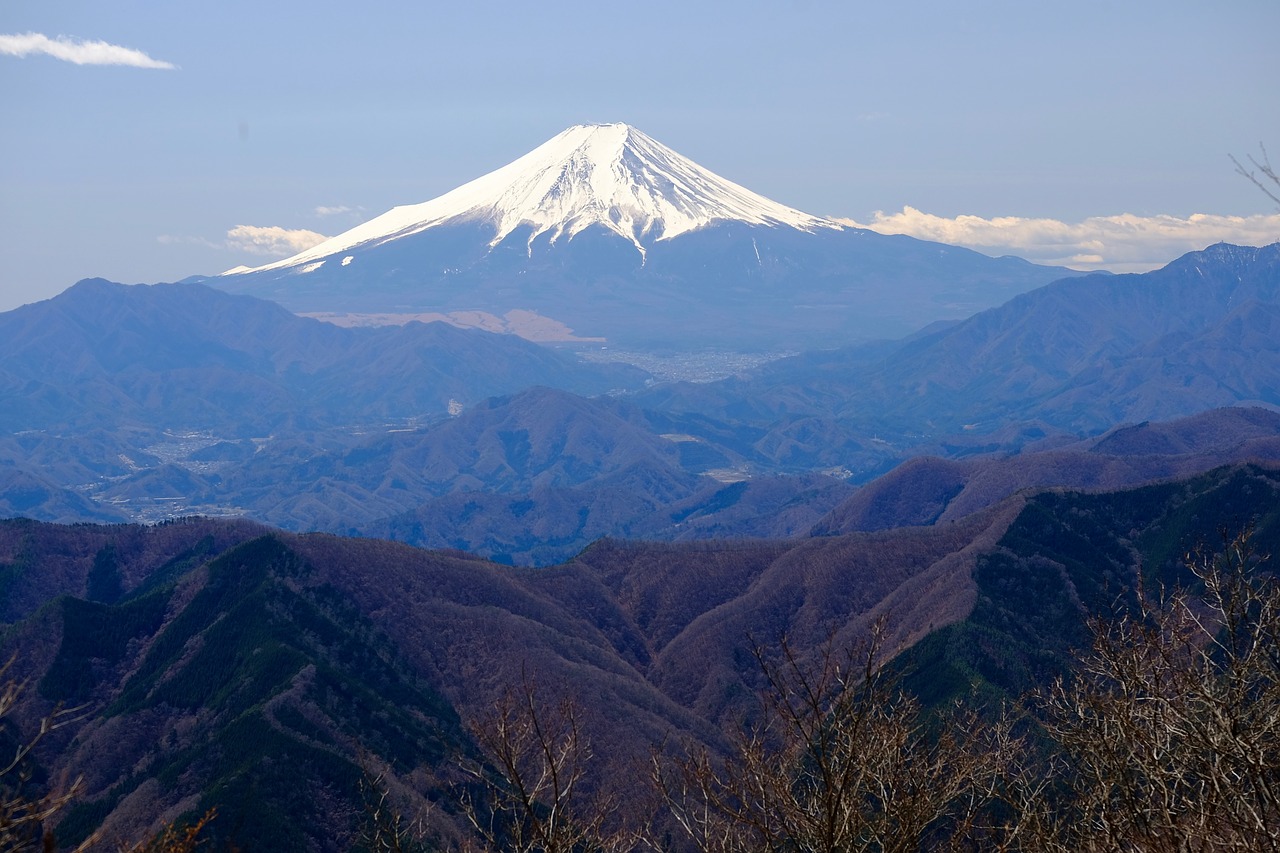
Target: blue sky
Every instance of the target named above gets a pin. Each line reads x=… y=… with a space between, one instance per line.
x=1011 y=126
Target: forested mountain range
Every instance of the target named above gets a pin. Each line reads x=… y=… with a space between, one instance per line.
x=224 y=664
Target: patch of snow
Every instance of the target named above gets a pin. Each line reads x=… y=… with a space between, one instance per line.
x=610 y=175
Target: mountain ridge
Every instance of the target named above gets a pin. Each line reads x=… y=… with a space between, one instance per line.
x=1081 y=355
x=187 y=356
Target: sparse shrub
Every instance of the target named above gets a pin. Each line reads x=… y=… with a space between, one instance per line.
x=1168 y=735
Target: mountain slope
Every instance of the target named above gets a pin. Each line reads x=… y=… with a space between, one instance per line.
x=531 y=478
x=1071 y=555
x=1096 y=351
x=229 y=667
x=613 y=234
x=261 y=698
x=537 y=439
x=26 y=492
x=1080 y=355
x=184 y=356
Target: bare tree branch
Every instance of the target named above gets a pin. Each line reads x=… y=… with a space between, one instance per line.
x=24 y=817
x=538 y=802
x=1268 y=173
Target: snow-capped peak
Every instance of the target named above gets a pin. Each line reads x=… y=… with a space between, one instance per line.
x=610 y=175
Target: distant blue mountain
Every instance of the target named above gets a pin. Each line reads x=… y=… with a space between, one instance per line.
x=1079 y=355
x=185 y=356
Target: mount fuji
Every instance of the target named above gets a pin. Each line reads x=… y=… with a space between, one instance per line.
x=604 y=233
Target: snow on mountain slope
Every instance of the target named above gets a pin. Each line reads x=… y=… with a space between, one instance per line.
x=610 y=175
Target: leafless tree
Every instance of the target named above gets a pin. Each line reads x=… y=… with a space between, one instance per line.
x=385 y=828
x=538 y=800
x=1169 y=735
x=841 y=761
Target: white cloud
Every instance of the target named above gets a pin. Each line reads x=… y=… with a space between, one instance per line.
x=336 y=210
x=272 y=240
x=77 y=51
x=1124 y=243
